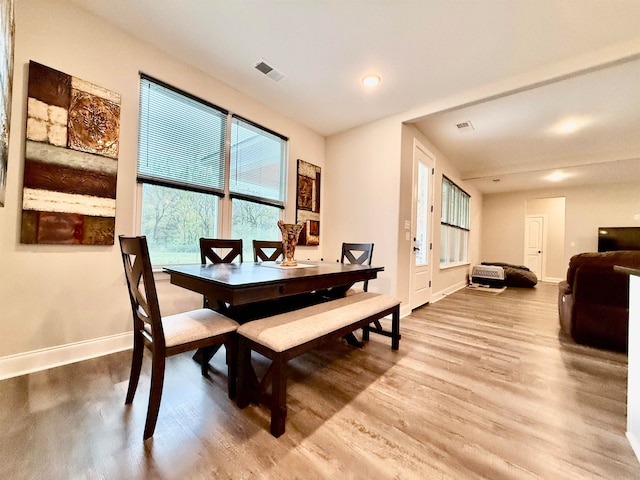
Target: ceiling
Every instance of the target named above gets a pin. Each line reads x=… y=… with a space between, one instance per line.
x=517 y=141
x=424 y=51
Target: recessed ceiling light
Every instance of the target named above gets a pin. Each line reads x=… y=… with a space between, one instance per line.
x=557 y=176
x=569 y=127
x=370 y=80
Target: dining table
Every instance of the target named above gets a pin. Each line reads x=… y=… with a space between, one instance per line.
x=250 y=290
x=251 y=282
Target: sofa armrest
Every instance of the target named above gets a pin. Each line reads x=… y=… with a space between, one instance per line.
x=564 y=288
x=601 y=286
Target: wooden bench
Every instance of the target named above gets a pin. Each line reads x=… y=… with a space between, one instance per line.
x=288 y=335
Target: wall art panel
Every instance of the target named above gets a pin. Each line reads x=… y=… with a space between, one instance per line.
x=71 y=160
x=308 y=202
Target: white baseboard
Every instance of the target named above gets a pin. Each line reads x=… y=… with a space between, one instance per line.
x=552 y=279
x=405 y=310
x=435 y=297
x=36 y=360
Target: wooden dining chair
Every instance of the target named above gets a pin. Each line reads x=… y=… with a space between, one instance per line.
x=166 y=336
x=360 y=253
x=261 y=249
x=218 y=250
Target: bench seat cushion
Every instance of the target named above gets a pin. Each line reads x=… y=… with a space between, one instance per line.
x=287 y=330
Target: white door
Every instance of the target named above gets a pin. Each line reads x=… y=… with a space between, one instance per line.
x=421 y=226
x=534 y=244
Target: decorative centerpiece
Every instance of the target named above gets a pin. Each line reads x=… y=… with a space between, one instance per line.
x=290 y=234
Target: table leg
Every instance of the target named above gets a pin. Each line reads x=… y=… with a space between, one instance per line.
x=353 y=341
x=207 y=352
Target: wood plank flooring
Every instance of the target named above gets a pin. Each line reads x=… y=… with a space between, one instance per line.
x=483 y=387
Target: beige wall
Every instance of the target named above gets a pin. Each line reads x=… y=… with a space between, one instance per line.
x=586 y=209
x=362 y=185
x=56 y=295
x=368 y=185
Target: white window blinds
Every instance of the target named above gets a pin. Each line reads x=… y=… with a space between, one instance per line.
x=181 y=140
x=258 y=163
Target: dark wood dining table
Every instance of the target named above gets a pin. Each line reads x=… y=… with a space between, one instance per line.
x=250 y=290
x=246 y=283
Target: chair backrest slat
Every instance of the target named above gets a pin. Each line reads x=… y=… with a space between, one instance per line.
x=364 y=252
x=211 y=249
x=142 y=288
x=261 y=248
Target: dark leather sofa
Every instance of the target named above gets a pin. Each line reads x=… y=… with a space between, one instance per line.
x=593 y=302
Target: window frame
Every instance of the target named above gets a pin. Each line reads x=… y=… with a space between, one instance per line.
x=455 y=217
x=225 y=196
x=224 y=144
x=281 y=203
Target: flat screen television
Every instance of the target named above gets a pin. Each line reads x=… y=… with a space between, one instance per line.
x=618 y=238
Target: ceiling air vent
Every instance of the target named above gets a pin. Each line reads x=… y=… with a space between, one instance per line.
x=269 y=71
x=464 y=126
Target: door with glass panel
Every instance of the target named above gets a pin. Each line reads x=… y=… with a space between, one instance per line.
x=421 y=226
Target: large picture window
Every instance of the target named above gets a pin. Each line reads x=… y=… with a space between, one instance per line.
x=454 y=224
x=192 y=186
x=256 y=182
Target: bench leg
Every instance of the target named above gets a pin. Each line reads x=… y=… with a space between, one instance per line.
x=376 y=327
x=278 y=396
x=244 y=372
x=365 y=333
x=395 y=329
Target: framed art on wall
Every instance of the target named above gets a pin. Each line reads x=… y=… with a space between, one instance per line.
x=308 y=202
x=71 y=160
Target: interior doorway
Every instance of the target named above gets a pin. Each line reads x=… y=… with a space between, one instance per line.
x=534 y=243
x=545 y=227
x=421 y=226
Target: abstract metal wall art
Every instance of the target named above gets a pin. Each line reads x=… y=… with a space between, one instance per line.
x=71 y=160
x=308 y=203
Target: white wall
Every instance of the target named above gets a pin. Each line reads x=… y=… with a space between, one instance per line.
x=362 y=184
x=586 y=209
x=57 y=295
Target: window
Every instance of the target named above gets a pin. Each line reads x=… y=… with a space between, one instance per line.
x=190 y=184
x=256 y=183
x=454 y=224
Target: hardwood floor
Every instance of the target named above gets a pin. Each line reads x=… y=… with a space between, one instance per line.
x=482 y=387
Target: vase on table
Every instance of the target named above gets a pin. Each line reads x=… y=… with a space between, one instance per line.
x=290 y=234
